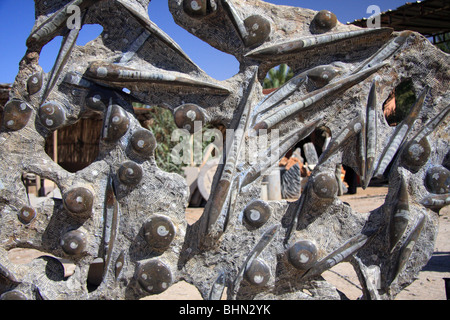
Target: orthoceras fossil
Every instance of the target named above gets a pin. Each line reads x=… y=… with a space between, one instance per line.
x=129 y=214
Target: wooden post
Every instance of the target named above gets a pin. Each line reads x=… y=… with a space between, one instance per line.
x=55 y=146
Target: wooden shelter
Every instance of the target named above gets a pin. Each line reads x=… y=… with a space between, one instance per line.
x=431 y=18
x=76 y=146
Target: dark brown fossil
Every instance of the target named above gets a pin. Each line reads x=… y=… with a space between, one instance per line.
x=324 y=21
x=143 y=142
x=154 y=276
x=343 y=138
x=266 y=238
x=16 y=114
x=186 y=115
x=257 y=213
x=258 y=29
x=52 y=115
x=34 y=83
x=79 y=201
x=400 y=133
x=130 y=173
x=437 y=180
x=347 y=249
x=116 y=123
x=159 y=232
x=95 y=101
x=74 y=242
x=257 y=273
x=27 y=214
x=303 y=254
x=408 y=246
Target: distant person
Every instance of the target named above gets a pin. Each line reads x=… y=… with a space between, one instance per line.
x=351 y=178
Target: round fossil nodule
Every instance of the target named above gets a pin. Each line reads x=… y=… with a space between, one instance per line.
x=27 y=214
x=258 y=273
x=187 y=114
x=117 y=123
x=303 y=254
x=13 y=295
x=34 y=83
x=325 y=185
x=78 y=200
x=154 y=276
x=130 y=173
x=52 y=115
x=143 y=143
x=325 y=20
x=199 y=8
x=437 y=180
x=258 y=29
x=95 y=102
x=159 y=232
x=16 y=114
x=74 y=242
x=416 y=154
x=257 y=213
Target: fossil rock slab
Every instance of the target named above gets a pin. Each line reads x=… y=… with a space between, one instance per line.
x=125 y=210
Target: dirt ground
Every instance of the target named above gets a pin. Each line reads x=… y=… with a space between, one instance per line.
x=430 y=283
x=428 y=286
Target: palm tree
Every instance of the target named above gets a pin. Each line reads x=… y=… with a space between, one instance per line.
x=277 y=76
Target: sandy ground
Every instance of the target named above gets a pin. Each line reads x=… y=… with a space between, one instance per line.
x=430 y=283
x=428 y=286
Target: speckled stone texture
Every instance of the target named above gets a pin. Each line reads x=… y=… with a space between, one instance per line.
x=127 y=211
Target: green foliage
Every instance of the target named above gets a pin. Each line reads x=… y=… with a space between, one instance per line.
x=277 y=76
x=162 y=124
x=405 y=98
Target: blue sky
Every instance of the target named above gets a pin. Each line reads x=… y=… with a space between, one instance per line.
x=17 y=19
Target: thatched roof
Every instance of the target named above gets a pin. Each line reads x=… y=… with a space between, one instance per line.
x=429 y=17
